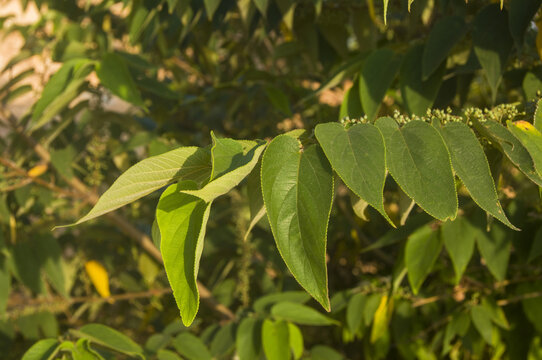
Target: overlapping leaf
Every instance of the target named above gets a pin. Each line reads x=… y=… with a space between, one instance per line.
x=531 y=139
x=459 y=237
x=421 y=252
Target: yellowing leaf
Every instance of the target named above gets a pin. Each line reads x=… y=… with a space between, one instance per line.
x=99 y=277
x=382 y=318
x=37 y=170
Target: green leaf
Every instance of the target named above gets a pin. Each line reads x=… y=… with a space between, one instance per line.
x=185 y=163
x=297 y=187
x=322 y=352
x=532 y=82
x=224 y=340
x=459 y=237
x=531 y=139
x=536 y=247
x=114 y=75
x=264 y=303
x=278 y=99
x=83 y=351
x=276 y=341
x=163 y=354
x=351 y=105
x=376 y=77
x=510 y=146
x=495 y=249
x=521 y=13
x=481 y=319
x=210 y=7
x=532 y=306
x=27 y=264
x=457 y=326
x=182 y=220
x=496 y=313
x=236 y=167
x=47 y=248
x=354 y=312
x=296 y=340
x=358 y=156
x=421 y=252
x=5 y=284
x=191 y=347
x=249 y=339
x=418 y=95
x=537 y=121
x=492 y=43
x=62 y=161
x=42 y=350
x=262 y=6
x=105 y=336
x=419 y=161
x=471 y=166
x=300 y=314
x=444 y=35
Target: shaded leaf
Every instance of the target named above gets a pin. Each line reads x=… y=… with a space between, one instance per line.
x=531 y=139
x=521 y=13
x=354 y=312
x=105 y=336
x=459 y=237
x=495 y=249
x=482 y=322
x=421 y=252
x=191 y=347
x=249 y=339
x=536 y=247
x=264 y=303
x=351 y=105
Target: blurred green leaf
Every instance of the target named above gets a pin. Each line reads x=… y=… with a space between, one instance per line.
x=275 y=340
x=108 y=337
x=421 y=252
x=300 y=314
x=191 y=347
x=115 y=76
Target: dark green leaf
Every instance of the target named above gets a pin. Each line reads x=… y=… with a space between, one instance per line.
x=351 y=105
x=300 y=314
x=5 y=284
x=521 y=13
x=278 y=99
x=422 y=250
x=481 y=319
x=191 y=347
x=536 y=247
x=249 y=339
x=62 y=161
x=276 y=340
x=495 y=249
x=532 y=305
x=354 y=312
x=224 y=340
x=459 y=237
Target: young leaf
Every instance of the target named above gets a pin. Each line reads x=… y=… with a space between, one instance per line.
x=492 y=43
x=419 y=161
x=182 y=220
x=191 y=347
x=418 y=94
x=521 y=13
x=296 y=340
x=105 y=336
x=300 y=314
x=376 y=76
x=114 y=75
x=275 y=339
x=232 y=161
x=185 y=163
x=495 y=249
x=482 y=322
x=421 y=252
x=297 y=187
x=531 y=139
x=249 y=339
x=446 y=32
x=358 y=156
x=42 y=350
x=470 y=164
x=459 y=237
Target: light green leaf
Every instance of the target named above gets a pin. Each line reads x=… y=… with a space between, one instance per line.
x=470 y=164
x=482 y=322
x=354 y=313
x=459 y=237
x=264 y=303
x=262 y=6
x=419 y=161
x=182 y=220
x=114 y=75
x=418 y=95
x=385 y=5
x=275 y=339
x=297 y=186
x=249 y=339
x=300 y=314
x=210 y=7
x=495 y=249
x=83 y=351
x=163 y=354
x=358 y=156
x=232 y=161
x=444 y=35
x=376 y=76
x=492 y=43
x=531 y=139
x=191 y=347
x=296 y=340
x=421 y=252
x=510 y=146
x=185 y=163
x=105 y=336
x=41 y=350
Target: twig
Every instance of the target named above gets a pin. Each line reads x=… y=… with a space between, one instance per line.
x=515 y=299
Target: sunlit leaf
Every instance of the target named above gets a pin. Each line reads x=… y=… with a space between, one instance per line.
x=99 y=277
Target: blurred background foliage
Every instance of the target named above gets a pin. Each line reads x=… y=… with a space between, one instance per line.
x=99 y=85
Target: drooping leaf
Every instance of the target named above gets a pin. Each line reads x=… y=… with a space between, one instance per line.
x=358 y=156
x=482 y=322
x=351 y=105
x=297 y=187
x=276 y=340
x=278 y=99
x=381 y=319
x=419 y=161
x=510 y=146
x=496 y=313
x=296 y=340
x=232 y=161
x=471 y=166
x=185 y=163
x=376 y=77
x=531 y=139
x=182 y=220
x=114 y=75
x=191 y=347
x=492 y=43
x=354 y=312
x=105 y=336
x=458 y=325
x=300 y=314
x=495 y=249
x=459 y=237
x=444 y=35
x=264 y=303
x=418 y=95
x=521 y=13
x=42 y=350
x=421 y=252
x=249 y=339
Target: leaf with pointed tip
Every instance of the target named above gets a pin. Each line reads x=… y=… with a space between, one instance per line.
x=492 y=43
x=300 y=314
x=275 y=340
x=210 y=7
x=521 y=13
x=376 y=77
x=297 y=187
x=531 y=139
x=495 y=249
x=108 y=337
x=186 y=163
x=182 y=219
x=446 y=32
x=482 y=322
x=262 y=6
x=42 y=350
x=385 y=3
x=419 y=161
x=470 y=164
x=459 y=237
x=232 y=161
x=358 y=156
x=114 y=75
x=421 y=252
